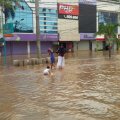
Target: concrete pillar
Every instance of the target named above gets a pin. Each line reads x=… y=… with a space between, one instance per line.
x=118 y=22
x=28 y=48
x=76 y=46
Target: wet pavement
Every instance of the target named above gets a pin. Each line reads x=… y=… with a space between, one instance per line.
x=87 y=89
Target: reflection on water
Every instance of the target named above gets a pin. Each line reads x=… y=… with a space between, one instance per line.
x=87 y=89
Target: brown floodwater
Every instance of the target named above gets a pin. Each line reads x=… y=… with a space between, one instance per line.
x=87 y=89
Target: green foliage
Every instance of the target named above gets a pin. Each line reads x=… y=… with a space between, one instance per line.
x=8 y=8
x=108 y=29
x=7 y=3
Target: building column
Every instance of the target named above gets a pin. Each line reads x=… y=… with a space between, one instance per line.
x=75 y=46
x=28 y=49
x=118 y=21
x=90 y=45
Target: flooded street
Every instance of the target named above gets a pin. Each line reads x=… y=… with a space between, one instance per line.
x=87 y=89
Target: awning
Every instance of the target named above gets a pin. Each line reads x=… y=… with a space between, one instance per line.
x=100 y=38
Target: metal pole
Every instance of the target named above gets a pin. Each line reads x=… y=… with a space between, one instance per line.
x=37 y=29
x=4 y=42
x=4 y=52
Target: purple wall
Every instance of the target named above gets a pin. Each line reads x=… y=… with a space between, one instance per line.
x=17 y=45
x=16 y=48
x=20 y=47
x=44 y=47
x=32 y=37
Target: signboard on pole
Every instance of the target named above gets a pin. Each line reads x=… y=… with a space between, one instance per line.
x=8 y=28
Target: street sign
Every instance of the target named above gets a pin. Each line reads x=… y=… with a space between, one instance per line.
x=8 y=28
x=2 y=40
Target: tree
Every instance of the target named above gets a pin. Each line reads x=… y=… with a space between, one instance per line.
x=37 y=29
x=8 y=8
x=108 y=30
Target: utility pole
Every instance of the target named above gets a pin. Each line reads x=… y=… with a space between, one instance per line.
x=37 y=29
x=2 y=41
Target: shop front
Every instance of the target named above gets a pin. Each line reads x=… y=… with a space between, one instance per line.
x=23 y=44
x=68 y=45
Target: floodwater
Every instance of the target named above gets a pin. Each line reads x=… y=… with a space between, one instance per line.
x=87 y=89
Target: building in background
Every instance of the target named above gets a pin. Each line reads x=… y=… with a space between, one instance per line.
x=77 y=23
x=87 y=24
x=107 y=12
x=23 y=27
x=68 y=24
x=23 y=41
x=49 y=27
x=104 y=18
x=72 y=23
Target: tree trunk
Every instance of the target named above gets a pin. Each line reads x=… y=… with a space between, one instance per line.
x=109 y=51
x=37 y=29
x=117 y=47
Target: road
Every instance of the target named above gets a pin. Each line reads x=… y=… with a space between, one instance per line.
x=86 y=89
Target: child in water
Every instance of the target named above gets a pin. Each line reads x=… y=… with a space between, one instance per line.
x=52 y=58
x=47 y=71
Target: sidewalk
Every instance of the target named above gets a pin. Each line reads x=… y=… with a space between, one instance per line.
x=79 y=55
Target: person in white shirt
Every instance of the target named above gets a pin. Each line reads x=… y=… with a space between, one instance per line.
x=61 y=60
x=47 y=71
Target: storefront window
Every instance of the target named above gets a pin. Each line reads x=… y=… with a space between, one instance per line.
x=23 y=21
x=106 y=17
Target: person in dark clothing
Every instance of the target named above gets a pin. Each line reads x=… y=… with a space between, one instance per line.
x=107 y=47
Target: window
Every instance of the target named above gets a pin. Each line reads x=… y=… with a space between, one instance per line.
x=23 y=21
x=107 y=17
x=48 y=20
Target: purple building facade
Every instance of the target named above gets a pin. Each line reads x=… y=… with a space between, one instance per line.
x=21 y=44
x=23 y=41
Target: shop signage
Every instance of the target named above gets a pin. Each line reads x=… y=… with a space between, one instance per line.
x=87 y=36
x=73 y=17
x=100 y=37
x=32 y=37
x=8 y=28
x=66 y=11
